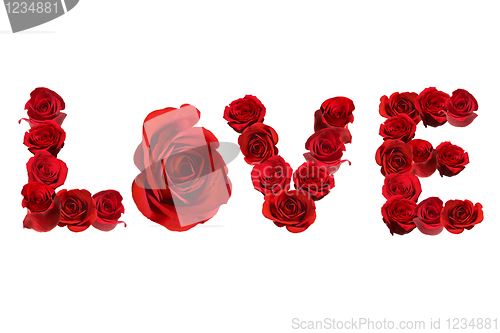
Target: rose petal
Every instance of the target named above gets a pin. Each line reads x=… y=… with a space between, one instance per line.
x=427 y=168
x=461 y=122
x=425 y=229
x=44 y=221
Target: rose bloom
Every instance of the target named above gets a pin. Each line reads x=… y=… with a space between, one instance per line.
x=394 y=156
x=458 y=215
x=314 y=179
x=400 y=126
x=460 y=108
x=325 y=149
x=272 y=176
x=258 y=143
x=78 y=210
x=45 y=168
x=398 y=214
x=183 y=179
x=45 y=104
x=399 y=103
x=428 y=219
x=406 y=185
x=47 y=136
x=294 y=210
x=431 y=106
x=244 y=112
x=424 y=157
x=109 y=209
x=336 y=113
x=44 y=207
x=451 y=159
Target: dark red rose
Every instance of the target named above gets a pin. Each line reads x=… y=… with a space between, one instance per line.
x=47 y=136
x=314 y=179
x=294 y=210
x=451 y=159
x=325 y=149
x=406 y=185
x=258 y=143
x=458 y=215
x=45 y=168
x=109 y=209
x=244 y=112
x=399 y=103
x=398 y=214
x=45 y=104
x=78 y=210
x=424 y=157
x=394 y=156
x=335 y=113
x=431 y=106
x=183 y=179
x=44 y=207
x=272 y=176
x=460 y=108
x=428 y=218
x=400 y=126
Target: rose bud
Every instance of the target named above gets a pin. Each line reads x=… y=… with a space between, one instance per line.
x=244 y=112
x=458 y=215
x=424 y=157
x=325 y=149
x=44 y=207
x=394 y=156
x=45 y=168
x=399 y=103
x=400 y=126
x=398 y=214
x=431 y=106
x=406 y=185
x=47 y=136
x=451 y=159
x=294 y=210
x=314 y=179
x=428 y=218
x=45 y=104
x=109 y=209
x=78 y=210
x=258 y=143
x=272 y=176
x=335 y=113
x=460 y=108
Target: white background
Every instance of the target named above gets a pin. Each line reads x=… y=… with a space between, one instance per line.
x=115 y=61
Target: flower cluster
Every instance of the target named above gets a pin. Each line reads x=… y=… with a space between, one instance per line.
x=404 y=159
x=76 y=209
x=271 y=175
x=183 y=179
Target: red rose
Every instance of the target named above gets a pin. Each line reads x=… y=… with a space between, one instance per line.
x=398 y=214
x=314 y=179
x=424 y=157
x=258 y=143
x=394 y=156
x=451 y=159
x=78 y=210
x=431 y=106
x=47 y=136
x=406 y=185
x=109 y=209
x=399 y=103
x=272 y=176
x=325 y=149
x=294 y=210
x=460 y=108
x=400 y=126
x=335 y=113
x=45 y=104
x=44 y=207
x=244 y=112
x=183 y=179
x=45 y=168
x=458 y=215
x=428 y=218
